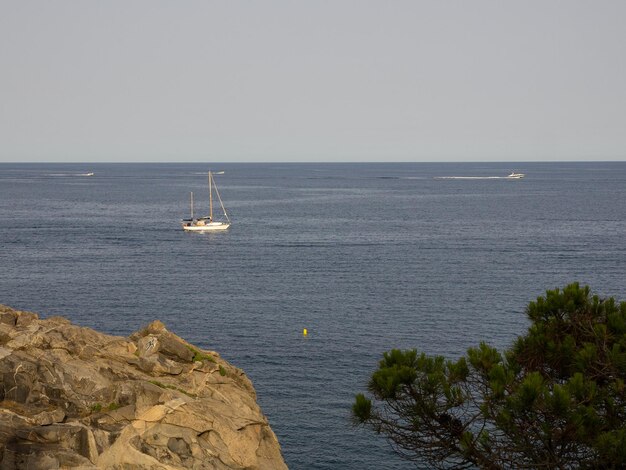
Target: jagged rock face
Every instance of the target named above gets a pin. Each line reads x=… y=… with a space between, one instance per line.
x=74 y=398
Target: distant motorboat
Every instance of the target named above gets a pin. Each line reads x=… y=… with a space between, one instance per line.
x=206 y=223
x=87 y=174
x=516 y=176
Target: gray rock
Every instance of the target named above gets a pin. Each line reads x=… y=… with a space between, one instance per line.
x=75 y=398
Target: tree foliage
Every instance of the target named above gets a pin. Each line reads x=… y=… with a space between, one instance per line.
x=556 y=399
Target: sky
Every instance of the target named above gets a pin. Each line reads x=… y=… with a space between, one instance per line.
x=318 y=80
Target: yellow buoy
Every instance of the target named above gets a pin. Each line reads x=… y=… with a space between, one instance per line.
x=305 y=332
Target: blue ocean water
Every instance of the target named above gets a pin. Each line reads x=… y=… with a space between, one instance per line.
x=367 y=257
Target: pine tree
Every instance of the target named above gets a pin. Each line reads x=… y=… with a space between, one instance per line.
x=556 y=399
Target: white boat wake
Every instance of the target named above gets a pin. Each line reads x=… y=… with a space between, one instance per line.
x=512 y=176
x=473 y=178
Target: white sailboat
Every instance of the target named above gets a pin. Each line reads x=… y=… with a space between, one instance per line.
x=206 y=223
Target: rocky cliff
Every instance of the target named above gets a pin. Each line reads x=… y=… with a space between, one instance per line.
x=75 y=398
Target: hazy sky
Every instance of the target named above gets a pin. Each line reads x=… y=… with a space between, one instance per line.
x=388 y=80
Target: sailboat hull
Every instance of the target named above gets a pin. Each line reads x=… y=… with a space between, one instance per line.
x=210 y=227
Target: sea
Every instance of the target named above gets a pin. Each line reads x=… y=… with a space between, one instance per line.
x=366 y=256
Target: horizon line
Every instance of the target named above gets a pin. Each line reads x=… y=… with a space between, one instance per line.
x=304 y=162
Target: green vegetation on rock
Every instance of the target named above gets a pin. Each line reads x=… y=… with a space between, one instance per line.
x=198 y=356
x=98 y=407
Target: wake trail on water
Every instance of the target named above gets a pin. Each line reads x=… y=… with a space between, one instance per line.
x=473 y=178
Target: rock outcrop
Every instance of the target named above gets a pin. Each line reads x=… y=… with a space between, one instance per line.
x=75 y=398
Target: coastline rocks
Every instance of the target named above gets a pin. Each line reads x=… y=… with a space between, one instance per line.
x=71 y=397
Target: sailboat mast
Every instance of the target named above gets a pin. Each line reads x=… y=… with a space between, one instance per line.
x=210 y=198
x=191 y=205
